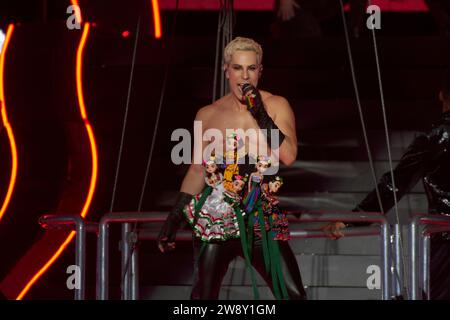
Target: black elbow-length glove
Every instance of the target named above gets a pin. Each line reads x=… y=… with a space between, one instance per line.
x=255 y=105
x=167 y=235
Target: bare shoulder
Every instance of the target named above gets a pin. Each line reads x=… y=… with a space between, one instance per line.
x=274 y=100
x=275 y=104
x=206 y=112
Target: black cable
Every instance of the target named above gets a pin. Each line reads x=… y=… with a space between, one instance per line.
x=134 y=234
x=125 y=118
x=133 y=63
x=365 y=133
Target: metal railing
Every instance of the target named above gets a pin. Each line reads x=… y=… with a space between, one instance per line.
x=397 y=270
x=130 y=285
x=77 y=223
x=129 y=282
x=421 y=227
x=373 y=217
x=130 y=279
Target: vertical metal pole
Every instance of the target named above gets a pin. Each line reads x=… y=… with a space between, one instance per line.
x=80 y=257
x=385 y=258
x=134 y=277
x=398 y=260
x=414 y=279
x=102 y=262
x=125 y=255
x=426 y=265
x=393 y=266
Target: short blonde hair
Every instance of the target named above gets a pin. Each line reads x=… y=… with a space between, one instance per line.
x=242 y=44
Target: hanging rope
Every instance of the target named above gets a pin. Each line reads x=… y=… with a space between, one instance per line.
x=125 y=117
x=388 y=145
x=134 y=243
x=124 y=124
x=385 y=127
x=161 y=102
x=224 y=36
x=358 y=103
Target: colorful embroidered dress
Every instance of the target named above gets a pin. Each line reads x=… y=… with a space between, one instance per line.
x=272 y=215
x=213 y=213
x=219 y=213
x=216 y=218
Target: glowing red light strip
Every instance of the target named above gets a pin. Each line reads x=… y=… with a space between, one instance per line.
x=45 y=267
x=156 y=19
x=93 y=182
x=9 y=131
x=269 y=5
x=79 y=79
x=77 y=11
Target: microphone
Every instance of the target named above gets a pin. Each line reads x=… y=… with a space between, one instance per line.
x=250 y=100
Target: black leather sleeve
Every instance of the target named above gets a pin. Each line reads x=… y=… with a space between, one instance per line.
x=412 y=167
x=172 y=224
x=256 y=108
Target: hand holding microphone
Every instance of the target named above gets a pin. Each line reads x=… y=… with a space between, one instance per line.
x=252 y=98
x=255 y=105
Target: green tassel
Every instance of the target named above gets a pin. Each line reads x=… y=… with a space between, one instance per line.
x=271 y=253
x=198 y=206
x=250 y=235
x=271 y=250
x=244 y=244
x=277 y=263
x=262 y=226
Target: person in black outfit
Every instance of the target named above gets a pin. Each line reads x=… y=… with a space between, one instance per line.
x=428 y=159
